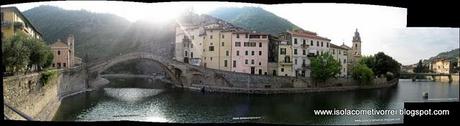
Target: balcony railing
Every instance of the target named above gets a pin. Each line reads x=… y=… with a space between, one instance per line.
x=6 y=23
x=286 y=63
x=305 y=45
x=305 y=66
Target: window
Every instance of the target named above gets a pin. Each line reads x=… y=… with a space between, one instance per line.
x=211 y=43
x=185 y=53
x=295 y=40
x=295 y=51
x=317 y=43
x=283 y=51
x=59 y=52
x=193 y=37
x=339 y=51
x=356 y=45
x=211 y=48
x=226 y=53
x=252 y=61
x=333 y=51
x=287 y=59
x=210 y=36
x=223 y=36
x=303 y=61
x=59 y=64
x=237 y=35
x=225 y=63
x=237 y=44
x=54 y=65
x=260 y=44
x=191 y=54
x=210 y=58
x=295 y=61
x=304 y=52
x=63 y=64
x=264 y=36
x=246 y=53
x=246 y=44
x=304 y=42
x=246 y=35
x=260 y=53
x=246 y=61
x=321 y=44
x=222 y=43
x=327 y=44
x=238 y=53
x=234 y=63
x=282 y=69
x=317 y=52
x=311 y=42
x=260 y=63
x=252 y=53
x=344 y=61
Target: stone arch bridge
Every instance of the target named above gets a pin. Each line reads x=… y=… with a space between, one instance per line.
x=190 y=76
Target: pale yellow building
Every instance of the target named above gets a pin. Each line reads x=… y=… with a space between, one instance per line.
x=14 y=21
x=211 y=42
x=225 y=51
x=441 y=65
x=285 y=65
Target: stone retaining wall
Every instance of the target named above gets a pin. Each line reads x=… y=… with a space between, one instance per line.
x=29 y=95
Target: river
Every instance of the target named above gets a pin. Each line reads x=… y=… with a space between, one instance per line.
x=142 y=100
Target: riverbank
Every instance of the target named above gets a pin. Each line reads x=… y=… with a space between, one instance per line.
x=208 y=88
x=40 y=99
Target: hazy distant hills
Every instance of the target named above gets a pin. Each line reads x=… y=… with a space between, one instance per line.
x=100 y=35
x=254 y=18
x=451 y=55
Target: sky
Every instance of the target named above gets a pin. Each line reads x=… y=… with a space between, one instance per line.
x=382 y=28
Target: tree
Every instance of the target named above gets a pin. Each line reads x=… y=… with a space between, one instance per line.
x=15 y=53
x=324 y=67
x=22 y=52
x=384 y=64
x=419 y=68
x=362 y=73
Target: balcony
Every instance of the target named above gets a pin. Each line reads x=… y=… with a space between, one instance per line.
x=6 y=23
x=305 y=46
x=311 y=55
x=305 y=66
x=285 y=63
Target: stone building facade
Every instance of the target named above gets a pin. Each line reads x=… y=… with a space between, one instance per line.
x=441 y=65
x=64 y=53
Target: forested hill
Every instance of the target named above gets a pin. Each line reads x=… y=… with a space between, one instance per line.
x=100 y=35
x=254 y=18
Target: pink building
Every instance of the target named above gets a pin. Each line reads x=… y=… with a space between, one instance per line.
x=249 y=52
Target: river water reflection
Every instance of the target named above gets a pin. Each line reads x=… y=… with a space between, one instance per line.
x=141 y=100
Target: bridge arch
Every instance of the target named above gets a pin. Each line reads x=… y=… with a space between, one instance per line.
x=96 y=68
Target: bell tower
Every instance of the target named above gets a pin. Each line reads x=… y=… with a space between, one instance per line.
x=70 y=43
x=356 y=47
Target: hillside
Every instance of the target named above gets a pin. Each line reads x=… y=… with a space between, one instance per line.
x=100 y=35
x=254 y=18
x=451 y=55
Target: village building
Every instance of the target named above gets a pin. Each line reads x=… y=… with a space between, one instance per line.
x=13 y=21
x=64 y=54
x=441 y=65
x=340 y=54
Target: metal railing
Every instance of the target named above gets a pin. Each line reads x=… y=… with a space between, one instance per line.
x=23 y=115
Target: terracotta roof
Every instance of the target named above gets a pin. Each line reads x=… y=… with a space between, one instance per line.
x=345 y=46
x=58 y=44
x=306 y=34
x=336 y=46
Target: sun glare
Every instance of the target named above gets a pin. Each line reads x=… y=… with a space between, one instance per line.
x=160 y=13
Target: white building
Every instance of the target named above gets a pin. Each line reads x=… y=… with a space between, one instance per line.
x=305 y=45
x=340 y=54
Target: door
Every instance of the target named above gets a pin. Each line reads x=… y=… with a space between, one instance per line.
x=260 y=71
x=253 y=70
